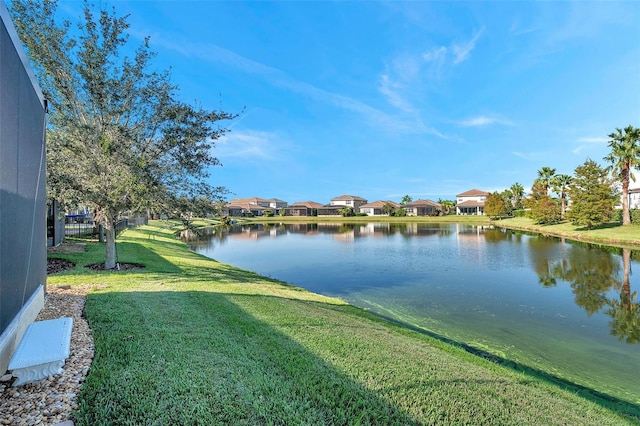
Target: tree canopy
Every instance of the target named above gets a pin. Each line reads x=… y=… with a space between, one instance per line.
x=119 y=138
x=592 y=194
x=495 y=205
x=545 y=174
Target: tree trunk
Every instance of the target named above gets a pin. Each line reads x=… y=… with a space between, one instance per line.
x=625 y=294
x=626 y=217
x=110 y=233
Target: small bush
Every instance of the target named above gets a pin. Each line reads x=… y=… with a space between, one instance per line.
x=634 y=213
x=518 y=213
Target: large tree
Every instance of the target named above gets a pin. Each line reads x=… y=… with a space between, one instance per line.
x=119 y=138
x=495 y=206
x=624 y=156
x=592 y=194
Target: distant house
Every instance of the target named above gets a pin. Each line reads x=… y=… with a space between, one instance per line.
x=377 y=208
x=255 y=205
x=243 y=209
x=422 y=208
x=471 y=202
x=273 y=203
x=634 y=198
x=302 y=208
x=330 y=210
x=348 y=200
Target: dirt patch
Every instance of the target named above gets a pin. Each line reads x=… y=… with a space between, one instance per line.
x=119 y=267
x=59 y=265
x=68 y=247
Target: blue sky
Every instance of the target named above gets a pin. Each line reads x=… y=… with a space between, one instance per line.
x=383 y=99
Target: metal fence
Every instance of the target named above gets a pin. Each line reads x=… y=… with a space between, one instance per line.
x=84 y=225
x=130 y=222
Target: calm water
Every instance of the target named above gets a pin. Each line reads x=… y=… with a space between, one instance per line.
x=567 y=309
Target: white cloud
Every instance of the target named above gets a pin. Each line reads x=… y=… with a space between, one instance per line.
x=463 y=51
x=391 y=90
x=596 y=140
x=527 y=155
x=589 y=142
x=483 y=120
x=246 y=144
x=278 y=78
x=435 y=55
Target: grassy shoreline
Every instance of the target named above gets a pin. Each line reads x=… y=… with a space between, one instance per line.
x=189 y=340
x=611 y=234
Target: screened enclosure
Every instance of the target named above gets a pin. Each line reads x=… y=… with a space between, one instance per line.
x=23 y=231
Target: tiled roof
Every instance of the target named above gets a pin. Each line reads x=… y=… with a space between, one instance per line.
x=473 y=193
x=253 y=200
x=247 y=206
x=307 y=204
x=380 y=203
x=348 y=197
x=417 y=203
x=471 y=203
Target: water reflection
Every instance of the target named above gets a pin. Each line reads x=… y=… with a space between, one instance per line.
x=598 y=280
x=565 y=308
x=625 y=311
x=343 y=231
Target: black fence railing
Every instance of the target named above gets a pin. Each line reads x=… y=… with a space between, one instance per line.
x=78 y=224
x=84 y=224
x=130 y=222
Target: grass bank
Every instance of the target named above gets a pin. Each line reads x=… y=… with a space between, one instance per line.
x=612 y=234
x=188 y=340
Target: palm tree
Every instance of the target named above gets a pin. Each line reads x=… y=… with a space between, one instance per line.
x=518 y=194
x=624 y=155
x=346 y=211
x=447 y=205
x=545 y=175
x=388 y=209
x=560 y=184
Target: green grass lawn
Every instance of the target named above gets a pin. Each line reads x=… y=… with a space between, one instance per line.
x=188 y=340
x=608 y=234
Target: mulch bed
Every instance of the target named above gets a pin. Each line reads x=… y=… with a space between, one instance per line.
x=59 y=265
x=120 y=267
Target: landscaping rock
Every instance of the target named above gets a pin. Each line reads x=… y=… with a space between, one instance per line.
x=50 y=401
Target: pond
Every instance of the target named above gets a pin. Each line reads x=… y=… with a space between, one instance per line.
x=566 y=309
